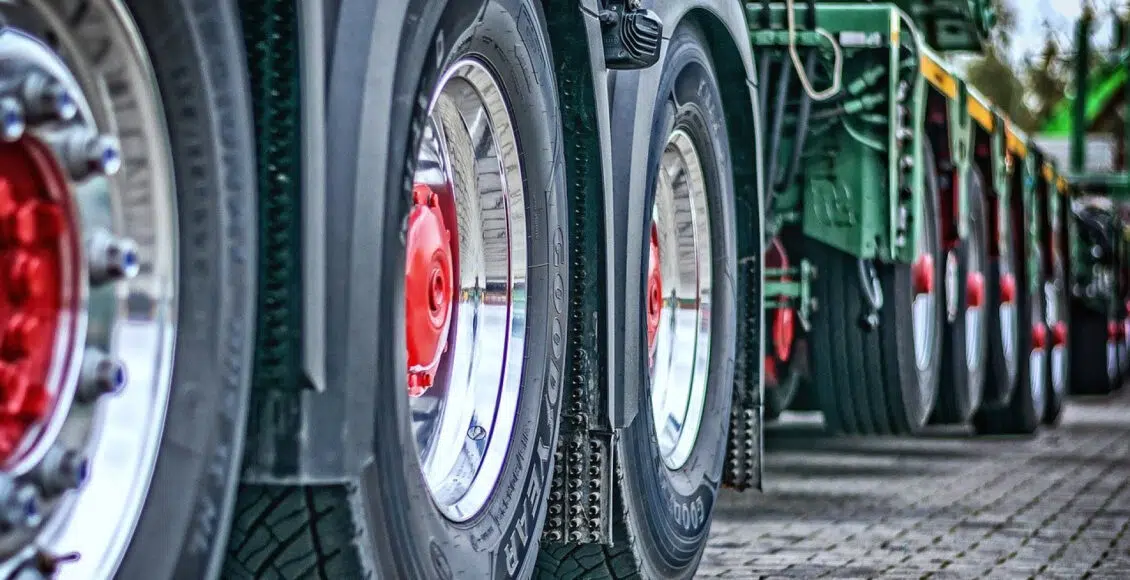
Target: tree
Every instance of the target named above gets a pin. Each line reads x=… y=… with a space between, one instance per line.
x=995 y=76
x=1046 y=78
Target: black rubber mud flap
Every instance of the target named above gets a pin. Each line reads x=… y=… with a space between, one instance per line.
x=662 y=514
x=196 y=52
x=868 y=382
x=962 y=385
x=383 y=522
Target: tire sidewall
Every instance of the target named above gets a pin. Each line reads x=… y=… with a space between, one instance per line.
x=671 y=509
x=501 y=540
x=197 y=57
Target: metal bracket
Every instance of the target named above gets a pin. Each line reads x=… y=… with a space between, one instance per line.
x=632 y=35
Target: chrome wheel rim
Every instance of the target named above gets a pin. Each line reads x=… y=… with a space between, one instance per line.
x=975 y=312
x=1055 y=312
x=679 y=346
x=93 y=461
x=925 y=300
x=1037 y=371
x=464 y=418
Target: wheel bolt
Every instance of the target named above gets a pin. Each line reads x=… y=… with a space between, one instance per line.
x=61 y=470
x=12 y=122
x=100 y=375
x=84 y=154
x=45 y=98
x=111 y=258
x=19 y=504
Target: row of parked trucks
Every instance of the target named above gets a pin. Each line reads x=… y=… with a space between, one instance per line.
x=349 y=289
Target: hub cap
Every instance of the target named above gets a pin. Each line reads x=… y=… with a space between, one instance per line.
x=925 y=304
x=682 y=340
x=83 y=302
x=1057 y=330
x=465 y=289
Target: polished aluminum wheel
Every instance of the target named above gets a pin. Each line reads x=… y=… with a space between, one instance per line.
x=1055 y=311
x=975 y=313
x=678 y=299
x=925 y=299
x=465 y=290
x=95 y=284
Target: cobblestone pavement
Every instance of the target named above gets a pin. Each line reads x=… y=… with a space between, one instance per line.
x=942 y=506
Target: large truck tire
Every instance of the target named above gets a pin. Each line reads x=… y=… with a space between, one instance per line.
x=1025 y=408
x=1094 y=370
x=1004 y=323
x=457 y=331
x=883 y=381
x=128 y=242
x=673 y=452
x=965 y=340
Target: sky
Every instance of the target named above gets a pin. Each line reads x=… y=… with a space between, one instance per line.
x=1061 y=14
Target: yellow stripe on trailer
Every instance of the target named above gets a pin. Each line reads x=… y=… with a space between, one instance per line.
x=1013 y=141
x=980 y=113
x=1061 y=185
x=1048 y=173
x=936 y=75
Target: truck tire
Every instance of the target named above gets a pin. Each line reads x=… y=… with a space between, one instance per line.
x=964 y=345
x=1094 y=371
x=665 y=493
x=1005 y=357
x=880 y=381
x=1022 y=414
x=1058 y=370
x=128 y=202
x=463 y=302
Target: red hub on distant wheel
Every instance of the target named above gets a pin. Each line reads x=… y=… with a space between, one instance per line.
x=37 y=244
x=429 y=289
x=1008 y=288
x=654 y=291
x=783 y=329
x=922 y=274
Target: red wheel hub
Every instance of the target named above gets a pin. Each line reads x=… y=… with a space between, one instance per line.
x=1008 y=288
x=975 y=290
x=783 y=330
x=36 y=242
x=654 y=291
x=429 y=289
x=1059 y=334
x=1039 y=336
x=922 y=274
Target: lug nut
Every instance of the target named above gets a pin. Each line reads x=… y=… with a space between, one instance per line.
x=84 y=154
x=19 y=504
x=61 y=470
x=45 y=98
x=100 y=375
x=111 y=258
x=12 y=122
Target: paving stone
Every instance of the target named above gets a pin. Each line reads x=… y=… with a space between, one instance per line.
x=945 y=505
